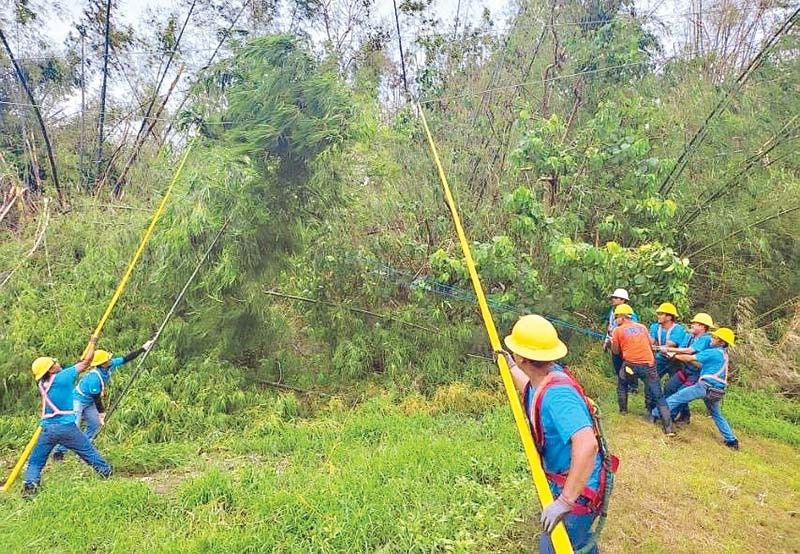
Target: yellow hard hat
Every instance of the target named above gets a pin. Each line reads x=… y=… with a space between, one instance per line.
x=667 y=308
x=623 y=309
x=535 y=338
x=725 y=334
x=41 y=366
x=100 y=357
x=704 y=319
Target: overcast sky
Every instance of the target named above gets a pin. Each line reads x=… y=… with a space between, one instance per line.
x=133 y=12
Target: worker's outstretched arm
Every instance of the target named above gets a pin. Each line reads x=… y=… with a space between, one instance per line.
x=84 y=364
x=689 y=359
x=133 y=354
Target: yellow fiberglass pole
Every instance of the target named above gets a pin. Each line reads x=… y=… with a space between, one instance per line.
x=117 y=293
x=142 y=244
x=21 y=462
x=559 y=535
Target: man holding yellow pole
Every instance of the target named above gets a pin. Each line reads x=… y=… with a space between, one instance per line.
x=563 y=431
x=58 y=418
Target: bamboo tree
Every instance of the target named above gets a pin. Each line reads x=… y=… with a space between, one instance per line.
x=722 y=103
x=141 y=136
x=103 y=90
x=39 y=119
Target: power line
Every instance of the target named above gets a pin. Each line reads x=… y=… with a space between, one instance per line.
x=654 y=62
x=458 y=96
x=722 y=103
x=575 y=23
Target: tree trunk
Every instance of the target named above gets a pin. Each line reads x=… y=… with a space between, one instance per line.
x=139 y=143
x=103 y=91
x=36 y=111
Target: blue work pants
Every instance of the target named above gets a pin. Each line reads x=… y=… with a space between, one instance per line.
x=695 y=392
x=654 y=398
x=616 y=362
x=89 y=414
x=71 y=437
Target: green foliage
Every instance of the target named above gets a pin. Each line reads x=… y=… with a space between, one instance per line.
x=650 y=272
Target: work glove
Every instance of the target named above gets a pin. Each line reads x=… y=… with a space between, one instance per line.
x=102 y=416
x=507 y=355
x=606 y=345
x=148 y=345
x=555 y=512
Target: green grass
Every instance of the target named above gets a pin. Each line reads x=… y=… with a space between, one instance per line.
x=402 y=473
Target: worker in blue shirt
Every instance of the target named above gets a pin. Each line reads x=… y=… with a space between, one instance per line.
x=619 y=296
x=687 y=375
x=711 y=383
x=88 y=402
x=566 y=439
x=58 y=418
x=666 y=332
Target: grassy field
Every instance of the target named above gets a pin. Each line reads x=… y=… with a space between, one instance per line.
x=406 y=474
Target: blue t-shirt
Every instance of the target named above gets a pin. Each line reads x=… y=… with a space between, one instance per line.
x=90 y=387
x=676 y=334
x=713 y=360
x=60 y=394
x=564 y=413
x=697 y=344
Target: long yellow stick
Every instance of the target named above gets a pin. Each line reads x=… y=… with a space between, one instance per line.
x=21 y=462
x=145 y=239
x=117 y=293
x=559 y=535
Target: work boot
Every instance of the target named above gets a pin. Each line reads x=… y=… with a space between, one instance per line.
x=58 y=456
x=29 y=490
x=734 y=444
x=683 y=417
x=622 y=398
x=666 y=421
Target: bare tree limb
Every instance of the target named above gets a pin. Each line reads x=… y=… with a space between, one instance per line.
x=42 y=127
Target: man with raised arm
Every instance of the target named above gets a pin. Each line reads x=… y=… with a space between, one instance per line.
x=58 y=418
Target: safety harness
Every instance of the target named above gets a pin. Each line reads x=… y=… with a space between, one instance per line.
x=102 y=384
x=666 y=337
x=714 y=393
x=44 y=388
x=596 y=499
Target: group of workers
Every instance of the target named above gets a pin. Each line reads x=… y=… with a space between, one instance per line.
x=65 y=405
x=676 y=364
x=565 y=425
x=564 y=422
